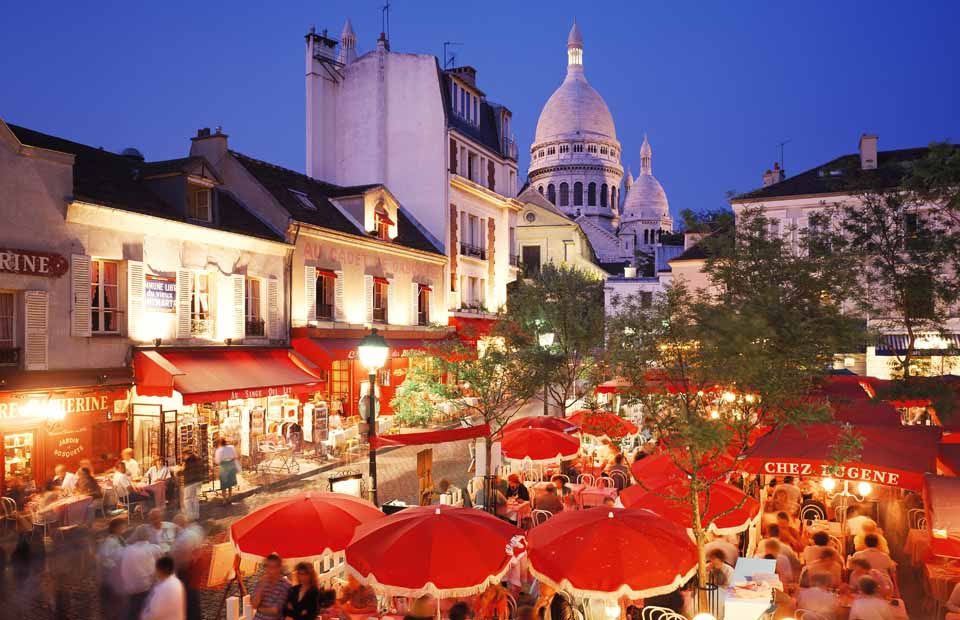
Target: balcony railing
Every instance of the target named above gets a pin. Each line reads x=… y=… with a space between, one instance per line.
x=9 y=356
x=472 y=250
x=256 y=328
x=515 y=260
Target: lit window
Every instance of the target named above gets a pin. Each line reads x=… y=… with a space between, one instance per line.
x=251 y=302
x=326 y=285
x=104 y=296
x=200 y=321
x=198 y=204
x=380 y=300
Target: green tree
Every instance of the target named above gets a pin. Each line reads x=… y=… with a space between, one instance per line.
x=568 y=303
x=713 y=369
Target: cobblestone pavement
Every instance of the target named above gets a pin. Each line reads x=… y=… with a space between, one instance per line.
x=60 y=581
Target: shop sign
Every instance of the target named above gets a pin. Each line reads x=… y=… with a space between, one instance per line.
x=263 y=392
x=30 y=263
x=69 y=447
x=160 y=294
x=56 y=405
x=845 y=472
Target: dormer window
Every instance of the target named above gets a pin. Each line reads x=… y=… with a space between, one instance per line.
x=466 y=104
x=198 y=204
x=382 y=223
x=304 y=200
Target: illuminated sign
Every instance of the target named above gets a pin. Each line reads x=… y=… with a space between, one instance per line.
x=160 y=294
x=56 y=406
x=848 y=472
x=29 y=263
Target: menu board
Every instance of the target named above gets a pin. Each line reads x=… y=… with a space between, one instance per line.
x=321 y=423
x=160 y=294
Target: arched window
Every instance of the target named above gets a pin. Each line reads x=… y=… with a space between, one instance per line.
x=603 y=195
x=552 y=193
x=613 y=196
x=592 y=195
x=540 y=189
x=577 y=194
x=659 y=235
x=564 y=195
x=645 y=237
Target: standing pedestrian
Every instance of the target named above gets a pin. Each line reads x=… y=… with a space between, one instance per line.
x=137 y=570
x=185 y=550
x=193 y=476
x=109 y=553
x=166 y=600
x=271 y=593
x=226 y=458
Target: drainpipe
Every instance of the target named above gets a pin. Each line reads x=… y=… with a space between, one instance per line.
x=288 y=284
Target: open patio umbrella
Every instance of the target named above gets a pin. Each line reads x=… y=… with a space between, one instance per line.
x=607 y=553
x=439 y=550
x=603 y=423
x=302 y=527
x=549 y=422
x=539 y=445
x=733 y=510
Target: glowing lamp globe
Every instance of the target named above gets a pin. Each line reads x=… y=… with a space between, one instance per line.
x=373 y=351
x=546 y=339
x=864 y=489
x=829 y=484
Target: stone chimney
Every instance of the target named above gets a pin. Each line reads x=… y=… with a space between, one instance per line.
x=868 y=152
x=213 y=146
x=466 y=73
x=773 y=176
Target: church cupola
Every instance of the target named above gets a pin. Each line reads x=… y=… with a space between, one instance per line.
x=348 y=44
x=646 y=155
x=575 y=47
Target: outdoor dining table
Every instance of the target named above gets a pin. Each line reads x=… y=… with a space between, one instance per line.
x=942 y=575
x=158 y=490
x=515 y=510
x=917 y=546
x=594 y=496
x=69 y=510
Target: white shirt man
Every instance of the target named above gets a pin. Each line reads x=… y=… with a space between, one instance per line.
x=132 y=467
x=167 y=600
x=871 y=608
x=877 y=559
x=855 y=524
x=138 y=563
x=818 y=598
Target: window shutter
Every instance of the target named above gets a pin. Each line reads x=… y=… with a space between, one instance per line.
x=414 y=303
x=239 y=306
x=338 y=297
x=368 y=296
x=393 y=314
x=136 y=294
x=80 y=285
x=35 y=340
x=273 y=309
x=184 y=288
x=434 y=299
x=310 y=292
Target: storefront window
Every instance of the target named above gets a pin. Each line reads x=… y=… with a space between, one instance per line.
x=423 y=306
x=340 y=385
x=380 y=301
x=325 y=295
x=254 y=320
x=8 y=351
x=200 y=322
x=18 y=456
x=104 y=296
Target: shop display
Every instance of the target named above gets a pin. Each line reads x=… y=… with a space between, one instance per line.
x=18 y=455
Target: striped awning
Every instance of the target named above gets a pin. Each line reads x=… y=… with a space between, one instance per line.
x=926 y=344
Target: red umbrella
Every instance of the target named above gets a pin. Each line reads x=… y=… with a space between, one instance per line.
x=611 y=552
x=601 y=423
x=549 y=422
x=613 y=386
x=660 y=467
x=540 y=445
x=302 y=527
x=439 y=550
x=733 y=510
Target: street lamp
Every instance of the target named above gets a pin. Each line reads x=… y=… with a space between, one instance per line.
x=546 y=341
x=372 y=352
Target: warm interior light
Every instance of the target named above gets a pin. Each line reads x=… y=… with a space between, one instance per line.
x=829 y=484
x=940 y=533
x=729 y=397
x=611 y=611
x=373 y=351
x=748 y=398
x=864 y=489
x=714 y=414
x=546 y=339
x=704 y=616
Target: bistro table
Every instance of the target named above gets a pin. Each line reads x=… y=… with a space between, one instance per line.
x=594 y=496
x=69 y=510
x=941 y=575
x=917 y=546
x=515 y=510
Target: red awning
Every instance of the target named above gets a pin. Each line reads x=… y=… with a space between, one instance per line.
x=866 y=412
x=896 y=457
x=471 y=329
x=846 y=387
x=203 y=376
x=327 y=273
x=430 y=437
x=942 y=499
x=323 y=351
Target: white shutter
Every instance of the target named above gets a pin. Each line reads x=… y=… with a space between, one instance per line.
x=136 y=294
x=368 y=296
x=239 y=306
x=80 y=291
x=310 y=292
x=35 y=332
x=434 y=308
x=184 y=290
x=338 y=297
x=393 y=313
x=414 y=299
x=273 y=309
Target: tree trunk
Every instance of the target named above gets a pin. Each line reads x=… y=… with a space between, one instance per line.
x=489 y=490
x=700 y=538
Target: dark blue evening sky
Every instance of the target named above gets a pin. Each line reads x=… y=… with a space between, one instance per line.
x=716 y=85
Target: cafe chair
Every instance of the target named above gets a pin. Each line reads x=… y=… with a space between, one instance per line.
x=806 y=614
x=586 y=479
x=130 y=508
x=540 y=516
x=351 y=450
x=659 y=613
x=837 y=545
x=566 y=478
x=812 y=512
x=8 y=511
x=914 y=516
x=620 y=480
x=605 y=482
x=42 y=520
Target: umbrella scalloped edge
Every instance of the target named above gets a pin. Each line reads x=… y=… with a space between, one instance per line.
x=621 y=591
x=429 y=587
x=733 y=529
x=549 y=461
x=246 y=555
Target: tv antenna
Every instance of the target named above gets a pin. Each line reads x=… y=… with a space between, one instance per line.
x=781 y=144
x=449 y=60
x=385 y=19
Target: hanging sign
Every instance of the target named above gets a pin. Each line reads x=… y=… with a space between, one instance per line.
x=30 y=263
x=160 y=294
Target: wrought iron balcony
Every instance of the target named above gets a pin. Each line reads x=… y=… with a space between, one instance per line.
x=472 y=250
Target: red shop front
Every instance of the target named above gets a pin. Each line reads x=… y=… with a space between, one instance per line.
x=50 y=420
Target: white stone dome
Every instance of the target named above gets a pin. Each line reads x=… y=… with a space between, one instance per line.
x=575 y=108
x=646 y=200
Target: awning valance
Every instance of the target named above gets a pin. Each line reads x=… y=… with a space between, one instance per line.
x=323 y=351
x=210 y=375
x=890 y=456
x=942 y=498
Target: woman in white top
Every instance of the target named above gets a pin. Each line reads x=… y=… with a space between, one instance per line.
x=130 y=463
x=226 y=458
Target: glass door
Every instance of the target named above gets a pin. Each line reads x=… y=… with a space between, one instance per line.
x=18 y=457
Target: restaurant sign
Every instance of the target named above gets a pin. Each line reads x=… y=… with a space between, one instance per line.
x=57 y=405
x=160 y=294
x=30 y=263
x=844 y=472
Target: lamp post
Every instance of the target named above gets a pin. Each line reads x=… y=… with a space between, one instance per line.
x=372 y=352
x=546 y=341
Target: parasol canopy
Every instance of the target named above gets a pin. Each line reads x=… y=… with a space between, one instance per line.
x=539 y=445
x=730 y=510
x=302 y=527
x=439 y=550
x=548 y=422
x=603 y=423
x=608 y=553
